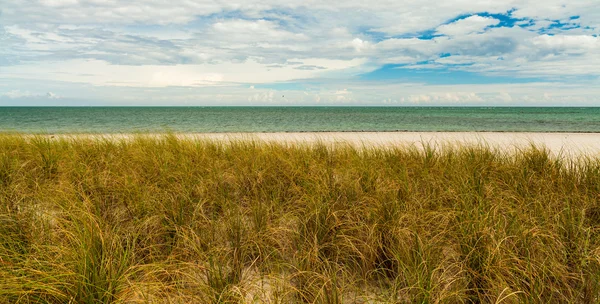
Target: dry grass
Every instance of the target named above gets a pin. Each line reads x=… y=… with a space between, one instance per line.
x=168 y=220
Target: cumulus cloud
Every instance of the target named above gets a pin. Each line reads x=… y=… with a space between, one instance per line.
x=359 y=44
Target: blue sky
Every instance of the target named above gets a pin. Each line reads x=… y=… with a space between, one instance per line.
x=291 y=52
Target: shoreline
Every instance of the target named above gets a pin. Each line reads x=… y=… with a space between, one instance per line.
x=558 y=143
x=9 y=132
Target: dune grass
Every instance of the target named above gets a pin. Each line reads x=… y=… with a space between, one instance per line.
x=168 y=220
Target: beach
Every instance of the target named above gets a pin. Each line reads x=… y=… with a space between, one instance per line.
x=330 y=152
x=231 y=218
x=572 y=144
x=555 y=142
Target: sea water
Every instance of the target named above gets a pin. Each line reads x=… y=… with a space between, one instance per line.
x=296 y=119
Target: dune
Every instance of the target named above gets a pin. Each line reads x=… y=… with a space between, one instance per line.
x=556 y=143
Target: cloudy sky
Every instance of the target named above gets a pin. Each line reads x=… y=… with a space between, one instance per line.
x=292 y=52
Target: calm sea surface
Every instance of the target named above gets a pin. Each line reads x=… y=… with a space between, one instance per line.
x=295 y=119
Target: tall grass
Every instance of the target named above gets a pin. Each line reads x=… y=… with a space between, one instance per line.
x=170 y=220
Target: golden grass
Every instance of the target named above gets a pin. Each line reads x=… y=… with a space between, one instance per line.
x=170 y=220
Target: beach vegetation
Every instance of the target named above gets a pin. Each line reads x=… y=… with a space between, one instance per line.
x=167 y=219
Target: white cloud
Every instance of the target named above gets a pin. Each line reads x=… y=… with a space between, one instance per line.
x=58 y=3
x=51 y=95
x=362 y=93
x=19 y=94
x=504 y=97
x=265 y=97
x=568 y=43
x=359 y=44
x=261 y=30
x=180 y=43
x=445 y=97
x=342 y=92
x=507 y=51
x=469 y=25
x=104 y=74
x=393 y=17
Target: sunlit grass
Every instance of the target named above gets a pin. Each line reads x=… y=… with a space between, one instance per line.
x=170 y=220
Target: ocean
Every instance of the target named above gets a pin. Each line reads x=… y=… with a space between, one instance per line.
x=51 y=120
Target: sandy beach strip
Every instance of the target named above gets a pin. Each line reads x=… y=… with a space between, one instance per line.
x=556 y=143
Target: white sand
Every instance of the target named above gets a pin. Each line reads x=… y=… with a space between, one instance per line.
x=566 y=143
x=557 y=143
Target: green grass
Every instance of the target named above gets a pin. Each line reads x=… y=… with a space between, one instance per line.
x=168 y=220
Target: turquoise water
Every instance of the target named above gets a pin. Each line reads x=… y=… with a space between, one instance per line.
x=295 y=119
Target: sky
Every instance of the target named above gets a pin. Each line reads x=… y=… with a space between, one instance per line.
x=292 y=52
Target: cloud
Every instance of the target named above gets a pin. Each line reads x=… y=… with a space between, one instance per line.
x=100 y=73
x=469 y=25
x=51 y=95
x=569 y=44
x=260 y=30
x=445 y=97
x=310 y=67
x=359 y=44
x=509 y=51
x=391 y=17
x=220 y=44
x=323 y=92
x=266 y=97
x=19 y=94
